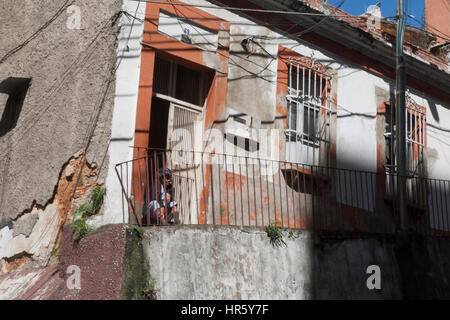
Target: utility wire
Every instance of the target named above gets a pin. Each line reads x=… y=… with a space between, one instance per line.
x=97 y=110
x=270 y=11
x=299 y=34
x=46 y=100
x=426 y=26
x=35 y=34
x=295 y=13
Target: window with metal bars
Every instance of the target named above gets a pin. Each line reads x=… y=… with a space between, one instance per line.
x=415 y=139
x=308 y=112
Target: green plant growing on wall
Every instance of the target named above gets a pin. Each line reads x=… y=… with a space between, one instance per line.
x=98 y=194
x=149 y=292
x=275 y=234
x=81 y=227
x=136 y=229
x=54 y=252
x=84 y=211
x=291 y=235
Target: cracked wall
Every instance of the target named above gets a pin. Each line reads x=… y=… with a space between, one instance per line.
x=67 y=107
x=35 y=235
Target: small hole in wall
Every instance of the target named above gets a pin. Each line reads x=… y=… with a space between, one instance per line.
x=12 y=95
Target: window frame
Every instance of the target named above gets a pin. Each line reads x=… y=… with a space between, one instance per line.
x=301 y=96
x=415 y=144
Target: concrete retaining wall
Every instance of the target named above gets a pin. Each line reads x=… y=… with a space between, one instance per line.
x=206 y=262
x=213 y=262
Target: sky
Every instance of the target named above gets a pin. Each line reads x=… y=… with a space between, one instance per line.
x=388 y=8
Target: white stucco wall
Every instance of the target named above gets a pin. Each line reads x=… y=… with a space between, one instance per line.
x=125 y=103
x=438 y=139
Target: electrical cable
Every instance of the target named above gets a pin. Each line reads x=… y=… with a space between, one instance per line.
x=267 y=11
x=426 y=26
x=248 y=9
x=79 y=63
x=96 y=112
x=37 y=32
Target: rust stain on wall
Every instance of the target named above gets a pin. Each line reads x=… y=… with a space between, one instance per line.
x=76 y=180
x=224 y=216
x=15 y=262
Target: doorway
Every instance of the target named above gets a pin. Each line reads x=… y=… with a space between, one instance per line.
x=176 y=131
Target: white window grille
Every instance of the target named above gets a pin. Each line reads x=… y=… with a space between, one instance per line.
x=308 y=112
x=415 y=139
x=415 y=143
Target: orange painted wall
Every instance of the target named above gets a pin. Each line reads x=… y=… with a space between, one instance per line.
x=155 y=43
x=437 y=16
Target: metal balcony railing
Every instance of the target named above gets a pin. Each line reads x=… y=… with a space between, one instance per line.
x=221 y=189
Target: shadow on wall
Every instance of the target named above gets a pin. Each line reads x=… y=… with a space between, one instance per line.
x=16 y=89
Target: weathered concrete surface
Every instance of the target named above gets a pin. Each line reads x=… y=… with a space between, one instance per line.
x=225 y=263
x=36 y=234
x=39 y=243
x=70 y=72
x=206 y=262
x=99 y=257
x=135 y=276
x=37 y=283
x=25 y=224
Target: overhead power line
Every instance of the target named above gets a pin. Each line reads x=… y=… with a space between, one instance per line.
x=294 y=13
x=427 y=26
x=66 y=4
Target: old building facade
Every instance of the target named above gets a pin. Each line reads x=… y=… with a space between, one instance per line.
x=327 y=98
x=282 y=111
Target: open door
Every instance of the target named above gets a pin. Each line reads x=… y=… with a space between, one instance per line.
x=184 y=132
x=176 y=129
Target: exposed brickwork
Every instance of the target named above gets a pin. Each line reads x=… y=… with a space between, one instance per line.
x=74 y=184
x=384 y=34
x=14 y=263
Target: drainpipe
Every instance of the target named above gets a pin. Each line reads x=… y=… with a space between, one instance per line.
x=401 y=113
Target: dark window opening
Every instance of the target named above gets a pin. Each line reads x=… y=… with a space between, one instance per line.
x=15 y=89
x=306 y=82
x=415 y=137
x=158 y=123
x=181 y=82
x=310 y=123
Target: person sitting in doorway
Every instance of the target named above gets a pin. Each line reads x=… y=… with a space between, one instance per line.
x=164 y=211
